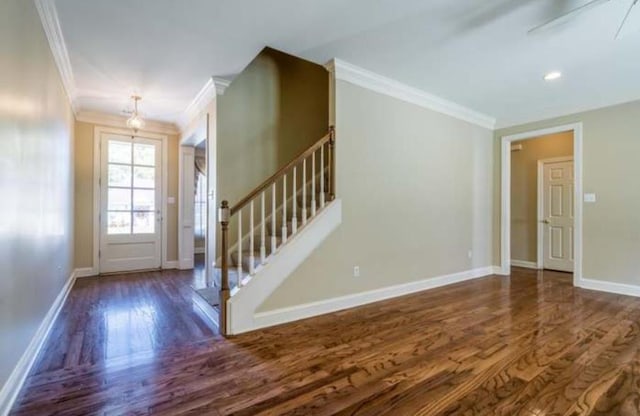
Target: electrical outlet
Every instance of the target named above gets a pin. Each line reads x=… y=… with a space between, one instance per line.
x=356 y=271
x=470 y=254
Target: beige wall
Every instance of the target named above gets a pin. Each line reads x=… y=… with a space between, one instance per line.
x=83 y=162
x=277 y=107
x=611 y=226
x=416 y=187
x=524 y=190
x=36 y=180
x=84 y=213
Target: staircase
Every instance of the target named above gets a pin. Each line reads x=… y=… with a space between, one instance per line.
x=250 y=257
x=259 y=234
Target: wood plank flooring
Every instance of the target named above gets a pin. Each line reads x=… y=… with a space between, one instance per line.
x=529 y=344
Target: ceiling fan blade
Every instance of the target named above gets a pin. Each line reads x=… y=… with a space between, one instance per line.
x=626 y=17
x=567 y=16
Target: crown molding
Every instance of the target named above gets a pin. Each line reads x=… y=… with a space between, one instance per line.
x=364 y=78
x=214 y=86
x=51 y=25
x=112 y=120
x=221 y=85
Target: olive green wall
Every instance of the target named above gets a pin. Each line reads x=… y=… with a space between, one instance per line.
x=277 y=107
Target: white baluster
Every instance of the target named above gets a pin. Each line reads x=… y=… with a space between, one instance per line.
x=294 y=220
x=252 y=259
x=240 y=248
x=263 y=248
x=304 y=191
x=284 y=208
x=274 y=240
x=322 y=176
x=313 y=184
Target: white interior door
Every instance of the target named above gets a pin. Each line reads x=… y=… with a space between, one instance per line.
x=130 y=197
x=558 y=215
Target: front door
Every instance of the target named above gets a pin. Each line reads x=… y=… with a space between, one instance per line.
x=130 y=195
x=558 y=215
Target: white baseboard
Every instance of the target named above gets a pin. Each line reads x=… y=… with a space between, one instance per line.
x=525 y=264
x=210 y=313
x=308 y=310
x=11 y=388
x=170 y=264
x=611 y=287
x=85 y=272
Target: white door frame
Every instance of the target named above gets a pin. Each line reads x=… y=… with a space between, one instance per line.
x=97 y=134
x=540 y=209
x=505 y=218
x=186 y=186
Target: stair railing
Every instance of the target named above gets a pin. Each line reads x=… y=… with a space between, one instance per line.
x=324 y=173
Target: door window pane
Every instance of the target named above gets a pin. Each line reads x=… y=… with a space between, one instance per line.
x=144 y=222
x=119 y=199
x=144 y=177
x=120 y=175
x=131 y=195
x=119 y=152
x=144 y=154
x=144 y=200
x=119 y=223
x=200 y=207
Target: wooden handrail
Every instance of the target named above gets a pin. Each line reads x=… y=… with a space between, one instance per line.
x=271 y=179
x=225 y=213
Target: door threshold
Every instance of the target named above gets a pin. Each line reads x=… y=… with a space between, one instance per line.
x=125 y=272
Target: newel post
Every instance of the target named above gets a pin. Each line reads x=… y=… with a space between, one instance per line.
x=224 y=215
x=332 y=163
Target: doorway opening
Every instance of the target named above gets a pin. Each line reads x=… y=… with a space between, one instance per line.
x=197 y=213
x=200 y=211
x=541 y=200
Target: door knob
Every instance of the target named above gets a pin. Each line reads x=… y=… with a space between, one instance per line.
x=545 y=221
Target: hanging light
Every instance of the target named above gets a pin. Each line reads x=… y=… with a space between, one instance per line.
x=135 y=122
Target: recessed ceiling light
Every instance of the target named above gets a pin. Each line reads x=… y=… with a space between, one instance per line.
x=551 y=76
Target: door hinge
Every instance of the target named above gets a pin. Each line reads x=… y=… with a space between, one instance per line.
x=99 y=253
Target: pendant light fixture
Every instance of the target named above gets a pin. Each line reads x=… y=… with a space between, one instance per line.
x=135 y=122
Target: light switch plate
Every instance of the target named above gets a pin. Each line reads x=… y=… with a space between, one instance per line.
x=589 y=197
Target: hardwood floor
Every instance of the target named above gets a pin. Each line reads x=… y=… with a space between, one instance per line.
x=526 y=345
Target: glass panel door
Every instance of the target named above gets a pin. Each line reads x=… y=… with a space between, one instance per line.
x=130 y=232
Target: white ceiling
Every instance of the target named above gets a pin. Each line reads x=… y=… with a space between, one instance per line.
x=475 y=53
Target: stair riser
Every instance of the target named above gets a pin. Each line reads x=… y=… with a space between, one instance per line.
x=245 y=261
x=279 y=228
